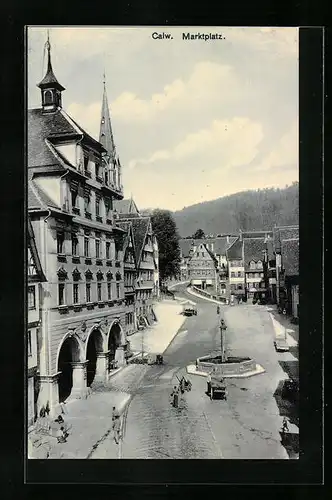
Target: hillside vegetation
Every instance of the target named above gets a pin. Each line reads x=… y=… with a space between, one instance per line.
x=248 y=210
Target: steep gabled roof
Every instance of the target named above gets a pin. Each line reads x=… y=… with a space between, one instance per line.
x=127 y=226
x=38 y=199
x=211 y=255
x=47 y=128
x=281 y=233
x=235 y=251
x=127 y=206
x=185 y=246
x=221 y=245
x=40 y=127
x=290 y=256
x=140 y=226
x=253 y=250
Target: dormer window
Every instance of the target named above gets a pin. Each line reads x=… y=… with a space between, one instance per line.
x=252 y=265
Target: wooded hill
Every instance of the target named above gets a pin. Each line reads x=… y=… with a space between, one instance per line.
x=248 y=210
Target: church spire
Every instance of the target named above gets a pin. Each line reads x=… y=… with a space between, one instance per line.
x=106 y=134
x=50 y=87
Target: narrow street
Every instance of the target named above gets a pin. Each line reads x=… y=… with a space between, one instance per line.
x=246 y=426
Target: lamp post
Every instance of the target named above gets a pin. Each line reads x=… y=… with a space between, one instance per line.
x=223 y=327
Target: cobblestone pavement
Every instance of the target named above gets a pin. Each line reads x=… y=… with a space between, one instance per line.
x=245 y=426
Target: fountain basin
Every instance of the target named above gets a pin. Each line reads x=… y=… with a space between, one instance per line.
x=233 y=366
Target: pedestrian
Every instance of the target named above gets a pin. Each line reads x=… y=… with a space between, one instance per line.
x=285 y=425
x=175 y=397
x=116 y=429
x=218 y=310
x=115 y=414
x=59 y=420
x=47 y=409
x=61 y=435
x=63 y=409
x=181 y=385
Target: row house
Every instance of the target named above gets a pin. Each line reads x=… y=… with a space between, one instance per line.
x=217 y=246
x=236 y=268
x=256 y=263
x=147 y=261
x=73 y=181
x=286 y=252
x=203 y=269
x=35 y=278
x=130 y=277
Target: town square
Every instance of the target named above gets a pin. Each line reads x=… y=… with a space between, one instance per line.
x=163 y=301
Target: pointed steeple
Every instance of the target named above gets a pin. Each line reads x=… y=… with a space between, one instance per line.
x=106 y=134
x=50 y=87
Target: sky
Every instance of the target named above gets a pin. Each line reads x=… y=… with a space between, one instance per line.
x=193 y=120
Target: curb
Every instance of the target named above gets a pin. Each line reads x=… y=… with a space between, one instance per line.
x=191 y=369
x=205 y=298
x=176 y=333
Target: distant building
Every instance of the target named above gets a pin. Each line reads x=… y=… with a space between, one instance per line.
x=255 y=259
x=236 y=269
x=286 y=250
x=203 y=268
x=286 y=245
x=130 y=277
x=218 y=246
x=35 y=278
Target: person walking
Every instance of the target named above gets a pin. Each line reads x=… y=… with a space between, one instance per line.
x=285 y=428
x=61 y=435
x=116 y=424
x=218 y=310
x=117 y=429
x=175 y=396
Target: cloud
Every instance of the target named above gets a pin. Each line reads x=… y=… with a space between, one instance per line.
x=208 y=83
x=276 y=42
x=285 y=154
x=232 y=142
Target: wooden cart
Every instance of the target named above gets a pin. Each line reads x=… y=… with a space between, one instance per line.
x=217 y=387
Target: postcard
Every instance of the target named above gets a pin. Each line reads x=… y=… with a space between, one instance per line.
x=163 y=242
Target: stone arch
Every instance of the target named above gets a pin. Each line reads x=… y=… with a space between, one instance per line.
x=94 y=345
x=69 y=352
x=115 y=339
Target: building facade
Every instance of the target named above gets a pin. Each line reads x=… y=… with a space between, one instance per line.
x=255 y=258
x=72 y=183
x=286 y=252
x=147 y=262
x=35 y=278
x=203 y=269
x=236 y=269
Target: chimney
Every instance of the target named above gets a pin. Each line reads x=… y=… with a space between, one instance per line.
x=227 y=238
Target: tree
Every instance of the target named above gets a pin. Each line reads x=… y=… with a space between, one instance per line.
x=199 y=234
x=166 y=232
